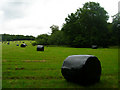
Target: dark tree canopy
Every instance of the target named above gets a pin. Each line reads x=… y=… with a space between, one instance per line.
x=116 y=27
x=87 y=26
x=42 y=39
x=116 y=21
x=54 y=28
x=8 y=37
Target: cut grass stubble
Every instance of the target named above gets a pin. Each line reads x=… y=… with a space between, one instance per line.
x=28 y=68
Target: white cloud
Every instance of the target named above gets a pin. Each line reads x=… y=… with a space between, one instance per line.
x=119 y=7
x=34 y=17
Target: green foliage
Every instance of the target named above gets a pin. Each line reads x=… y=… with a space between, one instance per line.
x=56 y=38
x=80 y=41
x=54 y=28
x=34 y=43
x=116 y=27
x=90 y=23
x=8 y=37
x=116 y=21
x=42 y=39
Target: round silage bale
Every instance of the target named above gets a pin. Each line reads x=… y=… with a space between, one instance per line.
x=40 y=48
x=84 y=69
x=8 y=43
x=94 y=46
x=23 y=45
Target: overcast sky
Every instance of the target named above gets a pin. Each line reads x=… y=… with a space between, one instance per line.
x=34 y=17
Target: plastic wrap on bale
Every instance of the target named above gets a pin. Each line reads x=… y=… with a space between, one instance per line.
x=94 y=46
x=8 y=43
x=40 y=48
x=83 y=69
x=23 y=45
x=17 y=44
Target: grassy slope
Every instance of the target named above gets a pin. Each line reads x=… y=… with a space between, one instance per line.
x=19 y=73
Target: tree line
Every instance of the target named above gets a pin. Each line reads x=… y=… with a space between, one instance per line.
x=87 y=26
x=8 y=37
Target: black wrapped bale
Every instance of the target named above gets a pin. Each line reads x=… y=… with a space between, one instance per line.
x=23 y=45
x=40 y=48
x=8 y=43
x=94 y=46
x=83 y=69
x=17 y=44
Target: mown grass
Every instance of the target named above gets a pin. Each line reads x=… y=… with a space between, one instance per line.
x=28 y=68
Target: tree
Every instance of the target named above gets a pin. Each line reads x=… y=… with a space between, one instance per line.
x=54 y=28
x=111 y=35
x=8 y=37
x=42 y=39
x=116 y=28
x=88 y=24
x=57 y=38
x=116 y=21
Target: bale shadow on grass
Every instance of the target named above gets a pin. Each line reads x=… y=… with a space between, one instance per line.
x=101 y=84
x=83 y=84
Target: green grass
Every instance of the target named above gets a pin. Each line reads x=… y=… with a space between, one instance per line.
x=20 y=70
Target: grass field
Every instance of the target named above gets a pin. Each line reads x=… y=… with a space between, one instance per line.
x=28 y=68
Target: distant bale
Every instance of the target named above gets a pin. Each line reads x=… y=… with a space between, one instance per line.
x=94 y=46
x=17 y=44
x=23 y=45
x=83 y=69
x=8 y=43
x=40 y=48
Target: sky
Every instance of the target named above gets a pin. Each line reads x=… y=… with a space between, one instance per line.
x=34 y=17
